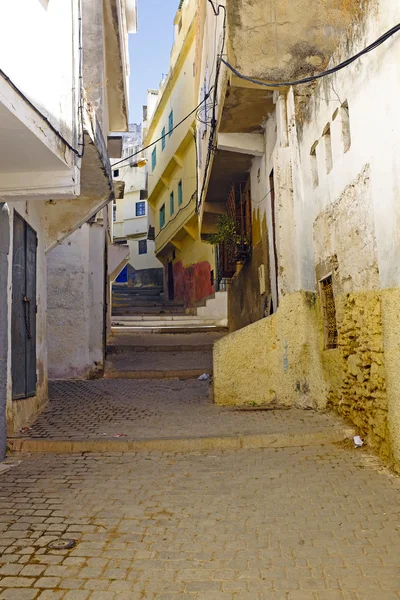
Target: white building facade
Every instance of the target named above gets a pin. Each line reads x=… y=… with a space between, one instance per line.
x=131 y=215
x=55 y=173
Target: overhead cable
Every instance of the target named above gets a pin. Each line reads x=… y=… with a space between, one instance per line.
x=167 y=133
x=339 y=67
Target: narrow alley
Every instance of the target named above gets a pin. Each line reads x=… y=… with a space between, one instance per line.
x=137 y=486
x=199 y=300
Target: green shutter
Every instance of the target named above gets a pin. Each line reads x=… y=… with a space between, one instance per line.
x=180 y=194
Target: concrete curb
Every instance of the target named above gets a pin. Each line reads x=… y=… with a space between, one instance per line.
x=178 y=374
x=249 y=441
x=128 y=348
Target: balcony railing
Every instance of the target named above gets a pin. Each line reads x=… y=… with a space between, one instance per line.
x=238 y=204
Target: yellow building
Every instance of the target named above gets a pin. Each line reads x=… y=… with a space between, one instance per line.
x=189 y=262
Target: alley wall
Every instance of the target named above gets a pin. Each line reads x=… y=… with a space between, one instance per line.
x=337 y=226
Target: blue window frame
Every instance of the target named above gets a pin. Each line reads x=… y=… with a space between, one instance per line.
x=153 y=159
x=180 y=193
x=171 y=203
x=170 y=122
x=162 y=216
x=163 y=141
x=140 y=209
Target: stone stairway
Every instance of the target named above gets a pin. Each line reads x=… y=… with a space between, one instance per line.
x=144 y=301
x=146 y=309
x=135 y=355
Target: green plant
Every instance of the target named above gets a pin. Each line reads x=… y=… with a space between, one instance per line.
x=226 y=232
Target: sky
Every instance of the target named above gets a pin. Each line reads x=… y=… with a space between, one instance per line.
x=149 y=51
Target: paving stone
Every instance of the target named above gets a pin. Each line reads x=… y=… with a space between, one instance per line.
x=233 y=525
x=149 y=409
x=18 y=594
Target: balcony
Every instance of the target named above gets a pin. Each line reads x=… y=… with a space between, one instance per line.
x=171 y=235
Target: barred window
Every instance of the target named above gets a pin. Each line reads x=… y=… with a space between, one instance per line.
x=329 y=312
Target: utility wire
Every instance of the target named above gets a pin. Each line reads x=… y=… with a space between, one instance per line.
x=339 y=67
x=40 y=114
x=211 y=139
x=167 y=133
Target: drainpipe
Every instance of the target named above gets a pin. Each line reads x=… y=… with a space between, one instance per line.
x=4 y=250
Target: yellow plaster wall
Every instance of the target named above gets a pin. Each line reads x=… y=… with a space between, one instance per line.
x=195 y=251
x=173 y=223
x=275 y=360
x=281 y=360
x=390 y=307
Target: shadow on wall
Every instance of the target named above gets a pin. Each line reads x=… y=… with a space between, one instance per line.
x=145 y=277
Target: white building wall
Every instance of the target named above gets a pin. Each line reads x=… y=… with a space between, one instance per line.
x=76 y=304
x=42 y=32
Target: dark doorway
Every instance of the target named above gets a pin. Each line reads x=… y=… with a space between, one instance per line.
x=170 y=280
x=23 y=321
x=275 y=271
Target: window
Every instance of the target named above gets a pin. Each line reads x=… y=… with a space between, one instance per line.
x=171 y=204
x=170 y=122
x=153 y=159
x=180 y=195
x=140 y=209
x=116 y=172
x=328 y=148
x=328 y=312
x=346 y=137
x=114 y=212
x=162 y=216
x=163 y=141
x=314 y=165
x=142 y=246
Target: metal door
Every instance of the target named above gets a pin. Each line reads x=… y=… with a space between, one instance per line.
x=23 y=323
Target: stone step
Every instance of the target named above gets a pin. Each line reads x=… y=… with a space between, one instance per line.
x=328 y=435
x=156 y=374
x=129 y=348
x=153 y=320
x=166 y=329
x=148 y=310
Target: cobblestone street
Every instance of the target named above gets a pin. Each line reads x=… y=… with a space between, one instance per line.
x=151 y=409
x=317 y=523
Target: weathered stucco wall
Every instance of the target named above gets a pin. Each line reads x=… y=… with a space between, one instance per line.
x=75 y=304
x=286 y=39
x=276 y=360
x=345 y=246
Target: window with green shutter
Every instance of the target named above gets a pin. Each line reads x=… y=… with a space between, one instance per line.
x=163 y=141
x=170 y=122
x=171 y=203
x=180 y=193
x=153 y=159
x=162 y=216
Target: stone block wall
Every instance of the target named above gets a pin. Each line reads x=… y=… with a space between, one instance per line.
x=359 y=393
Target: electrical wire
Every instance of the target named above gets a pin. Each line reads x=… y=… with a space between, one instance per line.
x=335 y=69
x=167 y=133
x=40 y=114
x=211 y=139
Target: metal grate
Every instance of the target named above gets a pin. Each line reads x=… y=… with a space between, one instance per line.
x=329 y=312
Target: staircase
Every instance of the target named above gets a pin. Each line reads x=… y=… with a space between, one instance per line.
x=147 y=310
